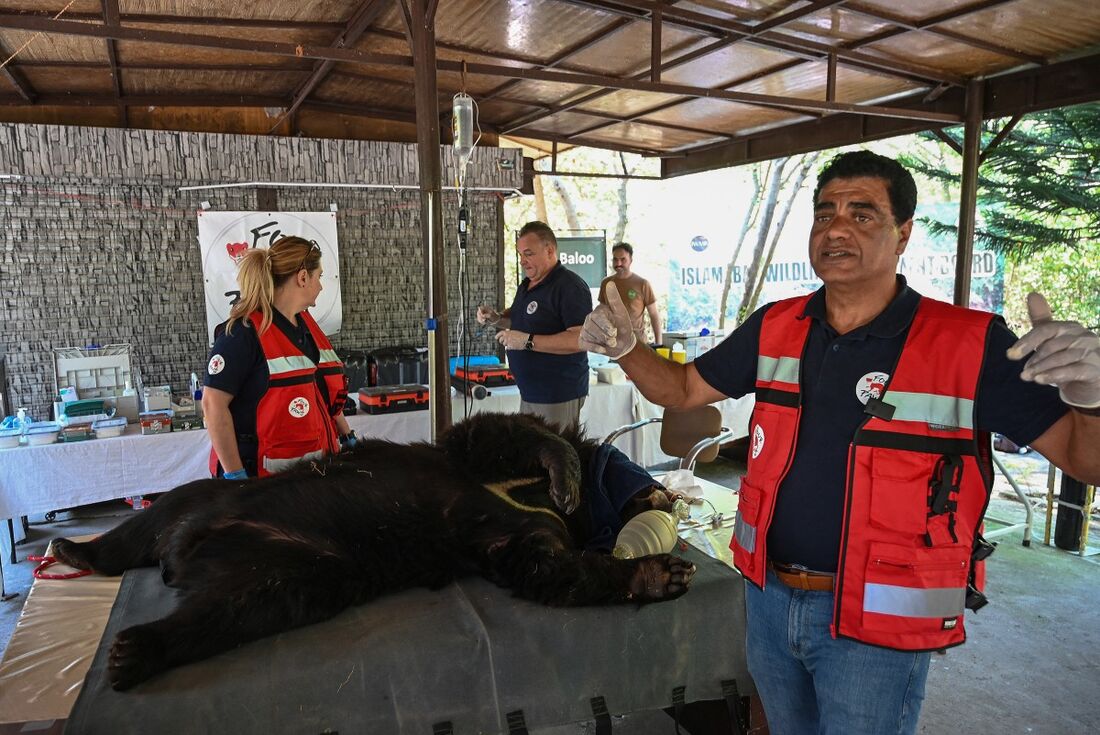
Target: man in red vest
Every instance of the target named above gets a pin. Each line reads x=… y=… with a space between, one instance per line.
x=869 y=463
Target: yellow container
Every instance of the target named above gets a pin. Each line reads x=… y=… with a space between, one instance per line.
x=663 y=352
x=680 y=357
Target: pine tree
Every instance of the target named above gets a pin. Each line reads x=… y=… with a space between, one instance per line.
x=1039 y=188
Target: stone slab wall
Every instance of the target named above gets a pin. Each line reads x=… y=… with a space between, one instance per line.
x=99 y=246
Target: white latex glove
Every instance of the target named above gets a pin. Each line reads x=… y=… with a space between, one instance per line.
x=607 y=330
x=512 y=339
x=1067 y=355
x=487 y=315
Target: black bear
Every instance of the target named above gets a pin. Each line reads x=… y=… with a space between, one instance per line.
x=505 y=496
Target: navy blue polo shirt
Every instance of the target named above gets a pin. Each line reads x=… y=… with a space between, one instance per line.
x=558 y=302
x=237 y=366
x=810 y=505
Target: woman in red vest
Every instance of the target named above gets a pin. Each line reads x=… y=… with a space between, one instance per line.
x=274 y=389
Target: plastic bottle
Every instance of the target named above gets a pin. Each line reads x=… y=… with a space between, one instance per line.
x=648 y=533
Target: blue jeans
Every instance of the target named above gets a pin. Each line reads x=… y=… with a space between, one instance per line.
x=810 y=683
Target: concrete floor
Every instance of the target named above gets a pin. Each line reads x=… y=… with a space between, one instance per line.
x=92 y=519
x=1031 y=664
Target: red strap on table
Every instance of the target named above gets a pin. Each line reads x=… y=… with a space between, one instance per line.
x=49 y=561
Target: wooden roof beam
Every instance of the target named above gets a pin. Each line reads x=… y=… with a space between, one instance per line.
x=198 y=40
x=353 y=55
x=596 y=144
x=110 y=18
x=13 y=75
x=785 y=103
x=930 y=26
x=813 y=50
x=147 y=100
x=158 y=66
x=831 y=60
x=184 y=20
x=617 y=119
x=364 y=16
x=562 y=106
x=1059 y=84
x=722 y=43
x=565 y=54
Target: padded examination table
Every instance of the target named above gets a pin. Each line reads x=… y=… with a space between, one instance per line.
x=469 y=655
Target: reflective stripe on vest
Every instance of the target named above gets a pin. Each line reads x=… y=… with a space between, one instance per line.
x=279 y=365
x=914 y=602
x=930 y=408
x=745 y=534
x=328 y=356
x=273 y=466
x=783 y=369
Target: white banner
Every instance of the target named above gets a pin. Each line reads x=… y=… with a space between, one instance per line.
x=225 y=236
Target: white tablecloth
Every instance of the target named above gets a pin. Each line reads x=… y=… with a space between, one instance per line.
x=65 y=475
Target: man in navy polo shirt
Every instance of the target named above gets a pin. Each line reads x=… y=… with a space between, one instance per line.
x=822 y=368
x=540 y=330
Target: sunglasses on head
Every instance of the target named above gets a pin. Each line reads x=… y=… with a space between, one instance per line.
x=313 y=246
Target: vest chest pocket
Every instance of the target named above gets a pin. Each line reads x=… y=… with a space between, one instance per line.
x=771 y=436
x=914 y=590
x=748 y=513
x=899 y=490
x=744 y=544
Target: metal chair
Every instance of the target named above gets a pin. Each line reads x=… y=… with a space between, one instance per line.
x=693 y=434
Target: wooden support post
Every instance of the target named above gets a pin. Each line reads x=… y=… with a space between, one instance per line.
x=420 y=19
x=968 y=198
x=655 y=45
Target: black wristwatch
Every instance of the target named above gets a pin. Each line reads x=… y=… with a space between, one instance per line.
x=530 y=343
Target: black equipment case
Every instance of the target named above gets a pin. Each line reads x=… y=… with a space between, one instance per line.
x=404 y=365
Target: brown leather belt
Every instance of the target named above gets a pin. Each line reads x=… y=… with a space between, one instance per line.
x=802 y=579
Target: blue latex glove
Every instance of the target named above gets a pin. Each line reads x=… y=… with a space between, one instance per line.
x=237 y=475
x=349 y=440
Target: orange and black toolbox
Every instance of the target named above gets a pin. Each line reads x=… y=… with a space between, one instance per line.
x=488 y=375
x=393 y=398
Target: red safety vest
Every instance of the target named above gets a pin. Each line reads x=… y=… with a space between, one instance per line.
x=293 y=421
x=918 y=478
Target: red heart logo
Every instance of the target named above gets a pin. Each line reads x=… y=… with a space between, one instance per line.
x=236 y=250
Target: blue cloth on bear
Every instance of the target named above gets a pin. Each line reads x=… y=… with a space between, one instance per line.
x=613 y=480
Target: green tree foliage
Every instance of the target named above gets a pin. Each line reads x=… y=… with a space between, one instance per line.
x=1038 y=189
x=1069 y=278
x=1039 y=204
